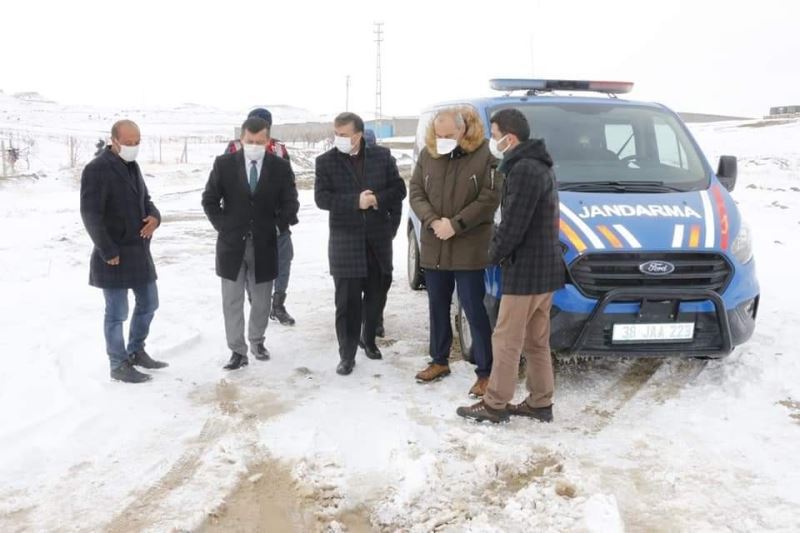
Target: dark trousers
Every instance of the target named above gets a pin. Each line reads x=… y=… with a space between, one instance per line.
x=359 y=302
x=387 y=285
x=471 y=290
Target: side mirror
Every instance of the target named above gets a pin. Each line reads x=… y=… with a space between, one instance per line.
x=727 y=171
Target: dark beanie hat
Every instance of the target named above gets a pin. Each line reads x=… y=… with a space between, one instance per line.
x=261 y=113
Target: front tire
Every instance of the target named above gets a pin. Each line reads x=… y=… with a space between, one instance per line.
x=415 y=276
x=464 y=334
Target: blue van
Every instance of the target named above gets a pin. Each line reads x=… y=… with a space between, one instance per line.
x=658 y=259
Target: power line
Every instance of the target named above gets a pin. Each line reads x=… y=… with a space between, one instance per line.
x=378 y=89
x=347 y=93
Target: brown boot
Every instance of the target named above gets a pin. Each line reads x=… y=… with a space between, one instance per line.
x=481 y=412
x=479 y=388
x=434 y=372
x=542 y=414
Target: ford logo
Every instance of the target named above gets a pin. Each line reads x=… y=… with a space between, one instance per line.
x=656 y=268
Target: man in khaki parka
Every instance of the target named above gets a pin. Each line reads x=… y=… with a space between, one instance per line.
x=455 y=192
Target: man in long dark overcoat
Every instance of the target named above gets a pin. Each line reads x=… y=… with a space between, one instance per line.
x=362 y=189
x=121 y=218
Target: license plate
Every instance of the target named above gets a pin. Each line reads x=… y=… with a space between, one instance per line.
x=669 y=332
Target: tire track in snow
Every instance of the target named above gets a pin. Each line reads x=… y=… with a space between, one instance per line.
x=147 y=507
x=646 y=380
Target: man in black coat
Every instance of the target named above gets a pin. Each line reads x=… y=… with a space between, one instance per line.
x=248 y=196
x=285 y=246
x=120 y=218
x=361 y=188
x=526 y=245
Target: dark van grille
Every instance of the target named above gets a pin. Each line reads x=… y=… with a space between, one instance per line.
x=596 y=274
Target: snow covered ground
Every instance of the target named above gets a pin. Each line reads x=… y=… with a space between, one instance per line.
x=638 y=445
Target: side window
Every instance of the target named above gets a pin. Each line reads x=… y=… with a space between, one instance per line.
x=620 y=139
x=422 y=129
x=670 y=151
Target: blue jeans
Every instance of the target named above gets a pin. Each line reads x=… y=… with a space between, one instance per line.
x=471 y=290
x=117 y=312
x=285 y=256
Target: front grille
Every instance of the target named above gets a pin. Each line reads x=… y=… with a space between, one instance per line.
x=598 y=273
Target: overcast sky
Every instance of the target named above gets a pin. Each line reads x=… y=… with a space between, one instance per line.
x=735 y=57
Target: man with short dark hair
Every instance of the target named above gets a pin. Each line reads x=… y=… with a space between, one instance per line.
x=361 y=188
x=248 y=195
x=121 y=218
x=526 y=246
x=285 y=246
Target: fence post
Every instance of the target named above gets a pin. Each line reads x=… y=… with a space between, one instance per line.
x=3 y=156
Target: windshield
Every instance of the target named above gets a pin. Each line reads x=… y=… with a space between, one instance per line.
x=616 y=147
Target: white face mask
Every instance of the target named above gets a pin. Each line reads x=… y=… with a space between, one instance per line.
x=496 y=151
x=128 y=153
x=445 y=146
x=254 y=152
x=343 y=144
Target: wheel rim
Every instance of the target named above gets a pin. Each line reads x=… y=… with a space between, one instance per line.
x=412 y=258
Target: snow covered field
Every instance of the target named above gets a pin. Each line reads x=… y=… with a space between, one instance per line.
x=638 y=445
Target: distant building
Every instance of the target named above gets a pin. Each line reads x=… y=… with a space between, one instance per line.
x=784 y=110
x=318 y=131
x=705 y=117
x=383 y=129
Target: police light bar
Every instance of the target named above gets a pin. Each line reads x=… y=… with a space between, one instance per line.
x=608 y=87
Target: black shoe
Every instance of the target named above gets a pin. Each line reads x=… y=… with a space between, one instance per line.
x=345 y=367
x=126 y=373
x=237 y=361
x=143 y=359
x=260 y=352
x=542 y=414
x=279 y=311
x=481 y=412
x=372 y=351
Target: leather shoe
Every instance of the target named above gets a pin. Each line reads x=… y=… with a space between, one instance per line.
x=345 y=367
x=260 y=352
x=237 y=361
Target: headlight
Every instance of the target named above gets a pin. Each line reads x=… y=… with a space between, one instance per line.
x=742 y=248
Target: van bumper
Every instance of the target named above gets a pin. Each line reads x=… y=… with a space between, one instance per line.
x=716 y=333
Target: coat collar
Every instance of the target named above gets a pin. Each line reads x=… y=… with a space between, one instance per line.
x=344 y=160
x=120 y=168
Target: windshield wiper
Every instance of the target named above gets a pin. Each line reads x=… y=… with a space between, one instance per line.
x=618 y=186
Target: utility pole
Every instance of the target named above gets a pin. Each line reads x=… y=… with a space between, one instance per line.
x=378 y=96
x=347 y=93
